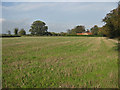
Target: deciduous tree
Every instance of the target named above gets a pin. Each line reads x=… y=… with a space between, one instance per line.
x=16 y=31
x=112 y=23
x=94 y=30
x=38 y=28
x=22 y=32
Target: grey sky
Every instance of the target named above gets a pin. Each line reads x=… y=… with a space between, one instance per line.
x=58 y=16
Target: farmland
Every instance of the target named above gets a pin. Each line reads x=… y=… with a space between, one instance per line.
x=59 y=62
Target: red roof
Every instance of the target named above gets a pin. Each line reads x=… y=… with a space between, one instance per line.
x=84 y=33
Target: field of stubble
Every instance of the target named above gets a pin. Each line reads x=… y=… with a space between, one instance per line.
x=59 y=62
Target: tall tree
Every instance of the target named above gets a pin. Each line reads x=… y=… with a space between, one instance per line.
x=94 y=30
x=112 y=23
x=38 y=28
x=79 y=29
x=16 y=31
x=22 y=32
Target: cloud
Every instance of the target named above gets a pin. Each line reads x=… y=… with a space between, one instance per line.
x=87 y=6
x=66 y=7
x=27 y=6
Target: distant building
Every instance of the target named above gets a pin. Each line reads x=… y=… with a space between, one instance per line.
x=86 y=33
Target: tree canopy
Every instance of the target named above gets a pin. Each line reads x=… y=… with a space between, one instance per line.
x=16 y=31
x=38 y=28
x=77 y=29
x=94 y=30
x=112 y=25
x=22 y=32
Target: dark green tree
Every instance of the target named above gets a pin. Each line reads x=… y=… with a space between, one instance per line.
x=16 y=31
x=112 y=23
x=38 y=28
x=55 y=34
x=77 y=29
x=94 y=30
x=22 y=32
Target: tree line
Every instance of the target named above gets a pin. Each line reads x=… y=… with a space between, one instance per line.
x=17 y=32
x=111 y=28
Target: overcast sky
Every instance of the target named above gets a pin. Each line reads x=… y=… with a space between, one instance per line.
x=58 y=16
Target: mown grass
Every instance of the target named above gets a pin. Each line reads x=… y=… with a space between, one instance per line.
x=59 y=62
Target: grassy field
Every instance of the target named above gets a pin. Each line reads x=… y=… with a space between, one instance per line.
x=59 y=62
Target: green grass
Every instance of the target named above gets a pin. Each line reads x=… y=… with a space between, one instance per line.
x=59 y=62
